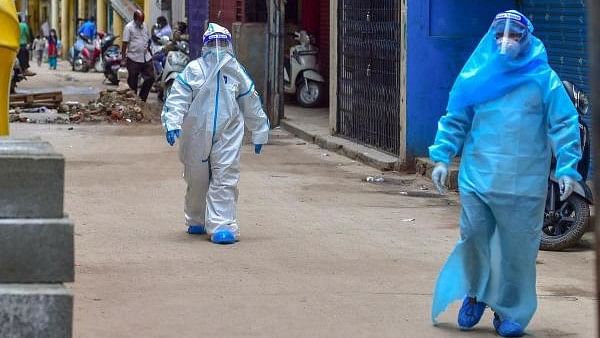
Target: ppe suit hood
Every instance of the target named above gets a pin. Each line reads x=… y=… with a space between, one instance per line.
x=488 y=75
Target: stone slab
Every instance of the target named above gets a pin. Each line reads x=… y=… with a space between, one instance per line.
x=31 y=179
x=366 y=155
x=35 y=310
x=36 y=250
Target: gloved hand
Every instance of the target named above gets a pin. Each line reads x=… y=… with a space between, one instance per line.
x=567 y=185
x=438 y=176
x=172 y=135
x=257 y=148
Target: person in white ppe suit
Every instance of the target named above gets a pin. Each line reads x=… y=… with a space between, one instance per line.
x=208 y=106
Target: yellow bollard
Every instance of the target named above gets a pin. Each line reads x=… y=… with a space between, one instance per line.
x=9 y=44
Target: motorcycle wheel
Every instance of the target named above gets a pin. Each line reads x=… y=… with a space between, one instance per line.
x=113 y=79
x=309 y=94
x=565 y=230
x=79 y=65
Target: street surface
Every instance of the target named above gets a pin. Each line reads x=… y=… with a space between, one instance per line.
x=322 y=252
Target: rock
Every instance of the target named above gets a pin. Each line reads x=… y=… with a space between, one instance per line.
x=116 y=115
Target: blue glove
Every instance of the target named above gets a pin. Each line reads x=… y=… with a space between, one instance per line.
x=172 y=135
x=257 y=148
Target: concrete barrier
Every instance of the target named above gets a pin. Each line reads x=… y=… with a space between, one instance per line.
x=36 y=251
x=31 y=180
x=35 y=310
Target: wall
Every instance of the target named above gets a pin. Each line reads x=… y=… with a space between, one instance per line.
x=441 y=35
x=250 y=43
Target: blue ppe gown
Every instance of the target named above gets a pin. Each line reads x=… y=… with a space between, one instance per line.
x=506 y=133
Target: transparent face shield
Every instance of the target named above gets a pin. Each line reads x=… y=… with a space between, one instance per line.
x=216 y=47
x=511 y=36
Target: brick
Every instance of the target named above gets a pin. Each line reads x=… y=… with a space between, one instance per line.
x=32 y=180
x=35 y=310
x=36 y=250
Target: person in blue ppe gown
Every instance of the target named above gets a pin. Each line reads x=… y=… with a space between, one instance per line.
x=208 y=106
x=506 y=113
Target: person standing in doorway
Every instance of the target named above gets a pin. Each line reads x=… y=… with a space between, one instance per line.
x=138 y=60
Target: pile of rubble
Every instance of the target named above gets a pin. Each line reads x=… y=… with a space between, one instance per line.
x=112 y=106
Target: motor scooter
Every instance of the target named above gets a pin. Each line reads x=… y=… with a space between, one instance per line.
x=111 y=54
x=300 y=74
x=177 y=58
x=90 y=56
x=159 y=57
x=565 y=222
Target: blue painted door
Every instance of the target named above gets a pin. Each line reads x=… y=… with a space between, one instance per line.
x=441 y=36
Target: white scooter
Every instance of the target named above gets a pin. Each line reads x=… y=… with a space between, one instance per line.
x=305 y=80
x=177 y=58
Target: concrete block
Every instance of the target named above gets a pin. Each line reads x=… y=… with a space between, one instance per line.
x=31 y=180
x=35 y=310
x=36 y=251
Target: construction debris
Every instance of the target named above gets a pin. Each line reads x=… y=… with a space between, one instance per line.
x=112 y=106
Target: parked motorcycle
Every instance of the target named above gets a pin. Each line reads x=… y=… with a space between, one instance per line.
x=17 y=76
x=301 y=75
x=566 y=222
x=177 y=58
x=75 y=51
x=111 y=55
x=90 y=56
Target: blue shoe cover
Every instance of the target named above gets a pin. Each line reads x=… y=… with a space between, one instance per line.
x=507 y=327
x=470 y=313
x=223 y=237
x=196 y=230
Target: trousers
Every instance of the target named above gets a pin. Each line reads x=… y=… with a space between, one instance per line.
x=211 y=193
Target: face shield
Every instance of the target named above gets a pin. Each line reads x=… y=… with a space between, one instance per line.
x=511 y=33
x=216 y=47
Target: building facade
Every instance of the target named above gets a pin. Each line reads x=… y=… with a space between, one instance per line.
x=394 y=62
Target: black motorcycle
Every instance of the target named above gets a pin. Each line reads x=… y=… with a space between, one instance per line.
x=565 y=222
x=111 y=56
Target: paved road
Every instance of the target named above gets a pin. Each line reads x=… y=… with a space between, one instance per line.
x=322 y=253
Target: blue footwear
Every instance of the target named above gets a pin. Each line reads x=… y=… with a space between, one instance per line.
x=223 y=237
x=470 y=313
x=507 y=327
x=196 y=230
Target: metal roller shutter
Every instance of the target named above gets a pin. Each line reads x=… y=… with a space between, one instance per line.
x=561 y=25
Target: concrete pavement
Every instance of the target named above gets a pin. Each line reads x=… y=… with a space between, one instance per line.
x=322 y=253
